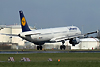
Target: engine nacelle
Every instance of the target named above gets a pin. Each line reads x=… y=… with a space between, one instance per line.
x=74 y=41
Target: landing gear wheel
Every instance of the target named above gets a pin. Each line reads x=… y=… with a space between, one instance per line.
x=39 y=47
x=62 y=47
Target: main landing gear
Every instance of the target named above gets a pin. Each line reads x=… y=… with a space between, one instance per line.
x=39 y=47
x=63 y=46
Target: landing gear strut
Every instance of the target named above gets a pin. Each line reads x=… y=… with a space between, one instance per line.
x=39 y=47
x=63 y=46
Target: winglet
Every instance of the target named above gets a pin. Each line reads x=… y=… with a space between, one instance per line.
x=24 y=24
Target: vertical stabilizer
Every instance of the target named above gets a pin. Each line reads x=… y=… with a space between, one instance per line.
x=24 y=24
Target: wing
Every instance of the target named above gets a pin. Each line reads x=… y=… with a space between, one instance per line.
x=91 y=32
x=59 y=39
x=9 y=34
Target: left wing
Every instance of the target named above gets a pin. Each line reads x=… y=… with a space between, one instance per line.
x=9 y=34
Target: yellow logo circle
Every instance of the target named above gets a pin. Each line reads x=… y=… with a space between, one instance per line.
x=23 y=21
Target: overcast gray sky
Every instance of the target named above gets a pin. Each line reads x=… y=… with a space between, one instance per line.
x=52 y=13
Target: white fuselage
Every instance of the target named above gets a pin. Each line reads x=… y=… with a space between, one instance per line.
x=47 y=35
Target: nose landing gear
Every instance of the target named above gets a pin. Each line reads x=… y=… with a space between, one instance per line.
x=39 y=47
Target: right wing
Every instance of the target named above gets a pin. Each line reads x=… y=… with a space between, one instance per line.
x=91 y=32
x=63 y=38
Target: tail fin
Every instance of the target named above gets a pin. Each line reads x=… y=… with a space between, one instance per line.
x=24 y=24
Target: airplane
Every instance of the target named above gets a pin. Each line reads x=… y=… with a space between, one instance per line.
x=50 y=35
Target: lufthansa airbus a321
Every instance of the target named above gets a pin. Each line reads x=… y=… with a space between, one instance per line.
x=50 y=35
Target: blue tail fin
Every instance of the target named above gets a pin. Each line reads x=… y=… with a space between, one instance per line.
x=24 y=24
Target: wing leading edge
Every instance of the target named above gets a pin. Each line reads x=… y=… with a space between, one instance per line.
x=59 y=39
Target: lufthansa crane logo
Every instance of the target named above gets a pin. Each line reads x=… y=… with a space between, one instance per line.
x=23 y=21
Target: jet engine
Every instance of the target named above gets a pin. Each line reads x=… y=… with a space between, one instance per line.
x=74 y=41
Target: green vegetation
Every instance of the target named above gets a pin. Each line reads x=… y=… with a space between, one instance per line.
x=40 y=60
x=50 y=64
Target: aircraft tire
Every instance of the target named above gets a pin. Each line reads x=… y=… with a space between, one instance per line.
x=37 y=47
x=61 y=47
x=64 y=47
x=40 y=47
